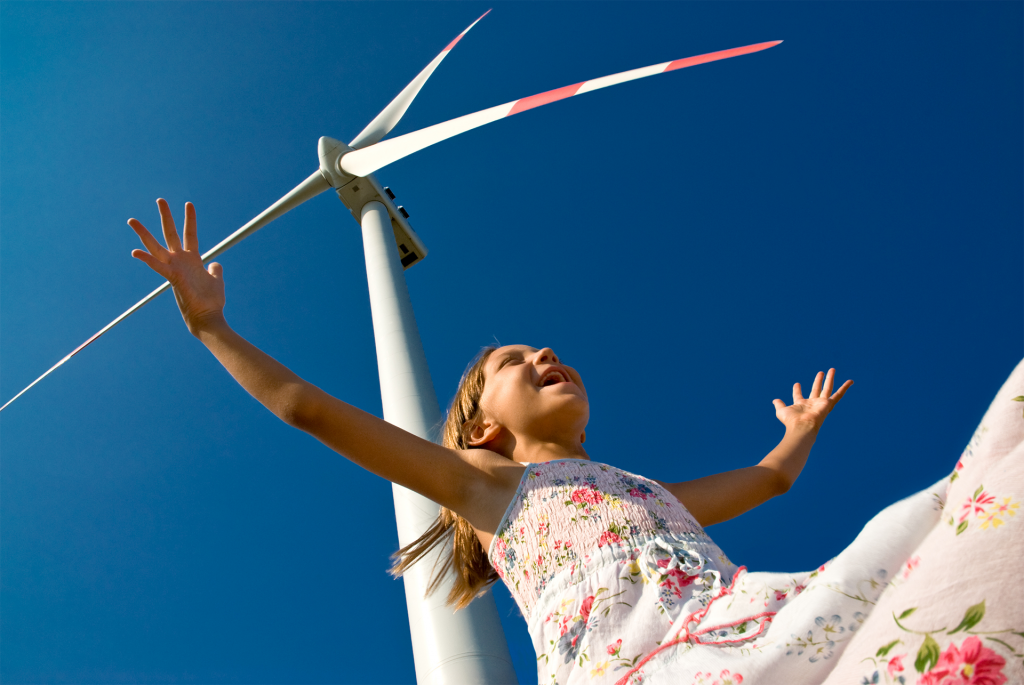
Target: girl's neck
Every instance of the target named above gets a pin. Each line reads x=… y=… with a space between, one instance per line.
x=538 y=451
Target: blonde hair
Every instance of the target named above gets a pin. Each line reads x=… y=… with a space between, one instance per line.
x=466 y=556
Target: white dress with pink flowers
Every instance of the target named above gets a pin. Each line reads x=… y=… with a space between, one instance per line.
x=619 y=584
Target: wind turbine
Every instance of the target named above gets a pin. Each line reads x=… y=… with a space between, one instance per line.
x=449 y=648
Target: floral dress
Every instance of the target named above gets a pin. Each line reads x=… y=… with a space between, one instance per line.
x=619 y=584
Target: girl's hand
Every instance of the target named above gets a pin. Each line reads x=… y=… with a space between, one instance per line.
x=810 y=413
x=720 y=497
x=198 y=290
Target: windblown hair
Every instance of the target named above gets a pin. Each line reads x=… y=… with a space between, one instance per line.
x=464 y=554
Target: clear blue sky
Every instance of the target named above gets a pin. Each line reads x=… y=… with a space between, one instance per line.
x=693 y=243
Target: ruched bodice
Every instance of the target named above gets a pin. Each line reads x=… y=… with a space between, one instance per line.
x=566 y=511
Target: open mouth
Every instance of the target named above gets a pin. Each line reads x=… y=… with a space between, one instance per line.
x=553 y=377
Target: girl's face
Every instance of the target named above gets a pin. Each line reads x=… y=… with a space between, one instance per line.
x=531 y=393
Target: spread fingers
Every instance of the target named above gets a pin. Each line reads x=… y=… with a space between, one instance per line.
x=826 y=390
x=155 y=248
x=167 y=224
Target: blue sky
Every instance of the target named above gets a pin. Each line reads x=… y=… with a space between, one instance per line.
x=693 y=243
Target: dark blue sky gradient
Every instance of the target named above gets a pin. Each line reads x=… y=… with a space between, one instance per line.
x=693 y=243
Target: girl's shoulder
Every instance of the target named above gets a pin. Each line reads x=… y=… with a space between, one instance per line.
x=493 y=464
x=491 y=491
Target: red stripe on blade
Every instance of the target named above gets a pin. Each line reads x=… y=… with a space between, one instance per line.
x=452 y=44
x=80 y=348
x=459 y=37
x=721 y=54
x=544 y=98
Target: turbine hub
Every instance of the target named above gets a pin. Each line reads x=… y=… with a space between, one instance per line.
x=330 y=152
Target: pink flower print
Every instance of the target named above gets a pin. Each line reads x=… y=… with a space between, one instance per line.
x=586 y=496
x=798 y=589
x=608 y=538
x=681 y=577
x=613 y=649
x=911 y=564
x=970 y=664
x=781 y=595
x=727 y=678
x=976 y=504
x=499 y=550
x=585 y=607
x=896 y=665
x=959 y=465
x=542 y=529
x=642 y=494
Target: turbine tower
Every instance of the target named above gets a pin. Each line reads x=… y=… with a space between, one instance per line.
x=449 y=648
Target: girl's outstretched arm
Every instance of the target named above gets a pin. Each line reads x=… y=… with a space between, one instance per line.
x=466 y=482
x=723 y=496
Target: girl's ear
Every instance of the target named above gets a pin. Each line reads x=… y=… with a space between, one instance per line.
x=583 y=438
x=480 y=431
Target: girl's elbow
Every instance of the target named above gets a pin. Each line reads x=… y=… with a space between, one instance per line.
x=781 y=483
x=297 y=408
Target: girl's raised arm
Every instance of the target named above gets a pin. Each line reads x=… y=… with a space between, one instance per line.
x=451 y=478
x=723 y=496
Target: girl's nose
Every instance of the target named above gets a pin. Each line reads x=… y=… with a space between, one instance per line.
x=545 y=355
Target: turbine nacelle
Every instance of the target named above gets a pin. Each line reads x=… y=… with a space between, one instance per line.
x=356 y=191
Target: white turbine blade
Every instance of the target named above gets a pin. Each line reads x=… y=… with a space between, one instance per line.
x=81 y=347
x=370 y=159
x=390 y=115
x=308 y=189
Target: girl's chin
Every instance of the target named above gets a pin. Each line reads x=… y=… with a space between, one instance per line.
x=573 y=394
x=564 y=386
x=572 y=401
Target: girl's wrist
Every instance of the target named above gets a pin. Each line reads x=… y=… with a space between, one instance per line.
x=207 y=323
x=802 y=429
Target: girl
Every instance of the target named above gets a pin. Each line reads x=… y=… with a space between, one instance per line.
x=613 y=572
